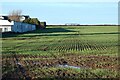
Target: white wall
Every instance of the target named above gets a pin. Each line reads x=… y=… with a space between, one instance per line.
x=5 y=25
x=5 y=28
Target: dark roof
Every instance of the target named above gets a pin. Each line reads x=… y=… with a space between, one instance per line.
x=5 y=17
x=26 y=16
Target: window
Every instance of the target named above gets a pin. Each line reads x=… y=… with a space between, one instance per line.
x=5 y=29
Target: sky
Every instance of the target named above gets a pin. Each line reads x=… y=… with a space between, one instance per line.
x=59 y=1
x=66 y=11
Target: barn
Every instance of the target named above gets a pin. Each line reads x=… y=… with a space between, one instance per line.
x=12 y=26
x=21 y=27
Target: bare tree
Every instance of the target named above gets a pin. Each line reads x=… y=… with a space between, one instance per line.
x=15 y=15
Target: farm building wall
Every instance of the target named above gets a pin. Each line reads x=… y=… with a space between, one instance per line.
x=22 y=27
x=5 y=25
x=5 y=28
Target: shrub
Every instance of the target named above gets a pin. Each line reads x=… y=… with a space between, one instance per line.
x=43 y=25
x=39 y=25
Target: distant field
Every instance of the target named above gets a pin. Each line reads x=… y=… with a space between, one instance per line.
x=92 y=48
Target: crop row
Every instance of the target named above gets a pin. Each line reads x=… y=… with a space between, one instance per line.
x=77 y=45
x=61 y=45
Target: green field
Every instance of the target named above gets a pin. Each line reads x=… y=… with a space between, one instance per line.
x=92 y=48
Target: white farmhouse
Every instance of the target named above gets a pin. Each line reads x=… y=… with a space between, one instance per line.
x=12 y=26
x=5 y=25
